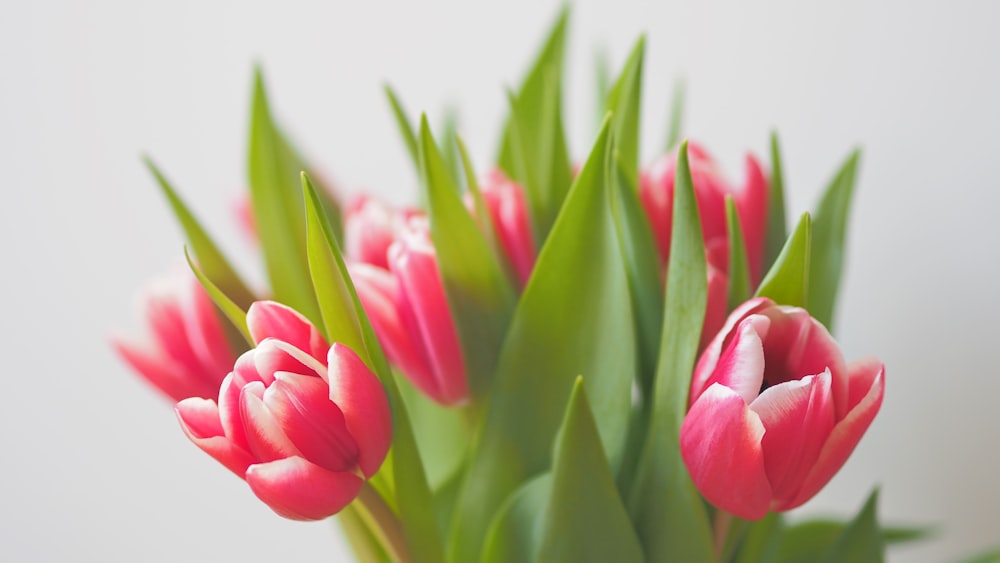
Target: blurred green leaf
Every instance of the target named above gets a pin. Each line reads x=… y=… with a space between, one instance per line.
x=602 y=83
x=443 y=434
x=777 y=225
x=278 y=209
x=405 y=126
x=515 y=533
x=787 y=282
x=479 y=292
x=340 y=318
x=739 y=268
x=233 y=312
x=449 y=149
x=829 y=240
x=861 y=541
x=762 y=541
x=585 y=527
x=669 y=514
x=533 y=147
x=210 y=259
x=624 y=101
x=366 y=548
x=675 y=126
x=559 y=330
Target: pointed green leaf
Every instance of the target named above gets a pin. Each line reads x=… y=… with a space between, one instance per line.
x=787 y=282
x=829 y=240
x=559 y=330
x=405 y=126
x=449 y=149
x=533 y=147
x=515 y=534
x=340 y=319
x=777 y=226
x=585 y=527
x=233 y=312
x=277 y=207
x=602 y=77
x=675 y=126
x=624 y=103
x=479 y=293
x=210 y=258
x=668 y=512
x=861 y=541
x=329 y=204
x=739 y=268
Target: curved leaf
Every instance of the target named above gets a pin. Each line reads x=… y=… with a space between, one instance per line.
x=861 y=541
x=516 y=531
x=233 y=312
x=739 y=268
x=787 y=282
x=777 y=226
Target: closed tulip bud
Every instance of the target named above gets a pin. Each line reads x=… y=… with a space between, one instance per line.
x=774 y=410
x=410 y=314
x=187 y=353
x=303 y=423
x=370 y=227
x=508 y=209
x=656 y=191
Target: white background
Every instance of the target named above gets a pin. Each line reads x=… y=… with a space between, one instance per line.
x=94 y=467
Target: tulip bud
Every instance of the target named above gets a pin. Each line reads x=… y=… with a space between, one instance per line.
x=188 y=353
x=505 y=202
x=409 y=312
x=774 y=410
x=656 y=191
x=370 y=227
x=304 y=424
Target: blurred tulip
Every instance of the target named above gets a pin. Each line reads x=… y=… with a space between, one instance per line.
x=774 y=410
x=188 y=353
x=370 y=227
x=656 y=192
x=508 y=211
x=717 y=263
x=303 y=423
x=410 y=314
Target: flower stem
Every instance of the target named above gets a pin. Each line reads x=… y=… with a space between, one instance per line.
x=383 y=523
x=720 y=531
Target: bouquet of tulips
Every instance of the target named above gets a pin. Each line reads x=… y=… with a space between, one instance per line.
x=548 y=362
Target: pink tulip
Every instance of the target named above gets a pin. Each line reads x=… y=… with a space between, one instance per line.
x=188 y=353
x=508 y=211
x=370 y=227
x=410 y=314
x=774 y=410
x=303 y=423
x=717 y=263
x=656 y=192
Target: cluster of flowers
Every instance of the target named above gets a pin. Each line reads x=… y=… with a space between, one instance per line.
x=774 y=410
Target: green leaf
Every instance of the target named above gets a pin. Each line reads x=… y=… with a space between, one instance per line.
x=443 y=434
x=515 y=534
x=739 y=268
x=405 y=127
x=602 y=83
x=211 y=260
x=624 y=103
x=479 y=293
x=360 y=537
x=676 y=116
x=777 y=226
x=787 y=282
x=533 y=147
x=340 y=318
x=669 y=514
x=278 y=208
x=762 y=540
x=593 y=526
x=861 y=541
x=449 y=149
x=559 y=330
x=233 y=312
x=829 y=240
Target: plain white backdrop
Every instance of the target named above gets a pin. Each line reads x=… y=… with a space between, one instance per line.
x=94 y=467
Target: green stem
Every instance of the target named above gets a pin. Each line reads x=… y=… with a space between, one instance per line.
x=383 y=523
x=720 y=531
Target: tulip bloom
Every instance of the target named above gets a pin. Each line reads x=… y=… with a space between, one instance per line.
x=774 y=410
x=410 y=314
x=508 y=211
x=370 y=227
x=304 y=424
x=188 y=354
x=656 y=191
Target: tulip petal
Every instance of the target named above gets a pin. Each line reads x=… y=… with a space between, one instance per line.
x=264 y=434
x=721 y=447
x=297 y=489
x=163 y=373
x=199 y=419
x=302 y=407
x=710 y=357
x=272 y=356
x=269 y=319
x=751 y=202
x=847 y=433
x=798 y=417
x=741 y=366
x=361 y=398
x=162 y=310
x=206 y=334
